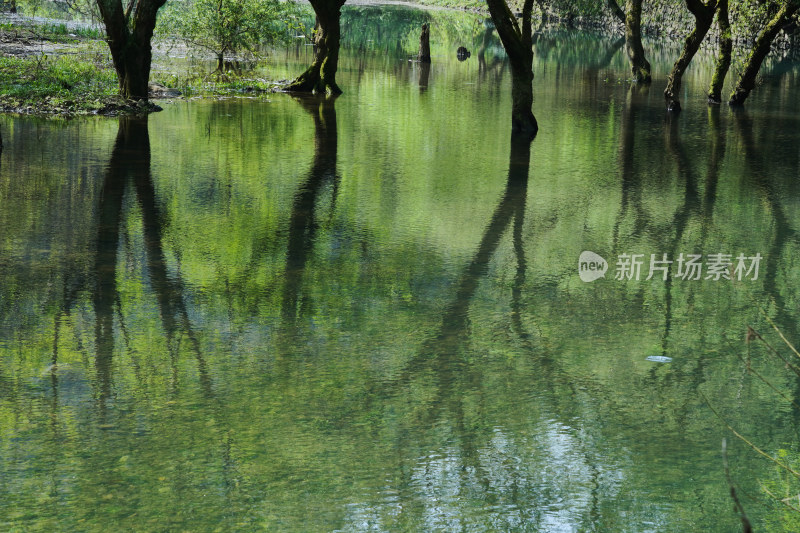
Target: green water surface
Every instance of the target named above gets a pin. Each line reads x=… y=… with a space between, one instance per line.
x=365 y=314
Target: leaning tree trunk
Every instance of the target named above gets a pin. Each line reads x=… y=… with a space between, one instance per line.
x=320 y=77
x=703 y=18
x=128 y=33
x=640 y=67
x=725 y=51
x=747 y=79
x=617 y=11
x=517 y=42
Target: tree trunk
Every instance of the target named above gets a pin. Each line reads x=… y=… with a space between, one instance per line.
x=724 y=58
x=425 y=45
x=517 y=42
x=522 y=119
x=703 y=17
x=640 y=67
x=128 y=34
x=320 y=77
x=747 y=79
x=617 y=11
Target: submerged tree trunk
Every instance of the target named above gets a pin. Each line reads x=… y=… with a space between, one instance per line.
x=128 y=33
x=320 y=77
x=703 y=18
x=425 y=45
x=724 y=57
x=640 y=67
x=517 y=42
x=747 y=79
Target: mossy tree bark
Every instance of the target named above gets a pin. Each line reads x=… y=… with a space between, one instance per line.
x=747 y=79
x=128 y=33
x=640 y=67
x=517 y=41
x=703 y=18
x=320 y=77
x=725 y=51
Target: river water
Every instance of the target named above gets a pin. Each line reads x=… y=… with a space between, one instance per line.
x=286 y=314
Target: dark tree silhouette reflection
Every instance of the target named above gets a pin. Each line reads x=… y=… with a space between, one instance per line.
x=129 y=167
x=302 y=221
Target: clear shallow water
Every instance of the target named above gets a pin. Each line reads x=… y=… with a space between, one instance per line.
x=367 y=315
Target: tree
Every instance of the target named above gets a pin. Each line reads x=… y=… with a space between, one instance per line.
x=640 y=67
x=724 y=58
x=320 y=77
x=747 y=79
x=425 y=45
x=632 y=19
x=517 y=41
x=226 y=27
x=128 y=33
x=704 y=16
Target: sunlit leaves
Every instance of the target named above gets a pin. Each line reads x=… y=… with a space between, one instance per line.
x=228 y=27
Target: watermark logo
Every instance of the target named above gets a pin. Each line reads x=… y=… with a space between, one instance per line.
x=591 y=266
x=684 y=267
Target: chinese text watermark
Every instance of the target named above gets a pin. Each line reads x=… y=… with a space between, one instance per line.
x=684 y=267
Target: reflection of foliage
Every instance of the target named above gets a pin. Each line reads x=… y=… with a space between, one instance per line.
x=395 y=30
x=228 y=26
x=574 y=420
x=784 y=487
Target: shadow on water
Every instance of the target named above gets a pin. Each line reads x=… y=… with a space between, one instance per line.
x=129 y=168
x=693 y=207
x=302 y=221
x=784 y=315
x=631 y=184
x=438 y=352
x=442 y=356
x=784 y=233
x=424 y=76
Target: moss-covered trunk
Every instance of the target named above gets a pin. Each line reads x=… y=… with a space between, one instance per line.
x=747 y=79
x=128 y=33
x=640 y=67
x=320 y=77
x=724 y=55
x=703 y=17
x=517 y=41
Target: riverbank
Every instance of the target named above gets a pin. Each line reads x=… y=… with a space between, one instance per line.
x=59 y=68
x=62 y=69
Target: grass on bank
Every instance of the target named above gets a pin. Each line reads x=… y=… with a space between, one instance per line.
x=56 y=32
x=77 y=84
x=65 y=84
